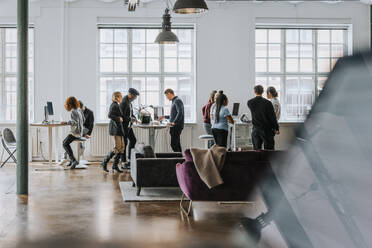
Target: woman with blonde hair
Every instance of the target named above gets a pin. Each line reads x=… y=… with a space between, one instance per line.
x=76 y=123
x=115 y=130
x=207 y=116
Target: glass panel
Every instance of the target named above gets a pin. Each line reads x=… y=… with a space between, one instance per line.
x=292 y=51
x=184 y=35
x=139 y=35
x=321 y=83
x=306 y=51
x=151 y=35
x=152 y=98
x=337 y=50
x=121 y=50
x=152 y=50
x=261 y=36
x=152 y=83
x=170 y=65
x=138 y=50
x=106 y=35
x=306 y=65
x=120 y=65
x=139 y=83
x=291 y=97
x=138 y=65
x=261 y=65
x=106 y=65
x=324 y=51
x=292 y=65
x=184 y=51
x=306 y=36
x=11 y=65
x=184 y=65
x=11 y=35
x=107 y=50
x=292 y=35
x=337 y=36
x=274 y=65
x=261 y=50
x=121 y=36
x=11 y=50
x=275 y=36
x=274 y=50
x=152 y=65
x=306 y=97
x=324 y=65
x=261 y=81
x=323 y=36
x=274 y=82
x=170 y=51
x=170 y=83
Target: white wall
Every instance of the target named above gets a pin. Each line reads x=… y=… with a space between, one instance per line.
x=66 y=44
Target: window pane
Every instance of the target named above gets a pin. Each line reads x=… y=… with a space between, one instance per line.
x=261 y=81
x=261 y=65
x=261 y=36
x=184 y=51
x=324 y=51
x=306 y=65
x=323 y=36
x=337 y=50
x=139 y=35
x=337 y=36
x=324 y=65
x=120 y=65
x=11 y=50
x=107 y=50
x=292 y=35
x=274 y=50
x=170 y=51
x=261 y=50
x=170 y=65
x=107 y=36
x=292 y=65
x=138 y=65
x=170 y=83
x=306 y=51
x=184 y=35
x=292 y=51
x=151 y=35
x=121 y=36
x=121 y=50
x=106 y=65
x=152 y=98
x=11 y=65
x=274 y=36
x=274 y=65
x=152 y=65
x=184 y=65
x=321 y=83
x=152 y=50
x=11 y=35
x=306 y=36
x=274 y=82
x=138 y=50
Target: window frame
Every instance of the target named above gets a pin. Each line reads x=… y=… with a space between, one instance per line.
x=283 y=74
x=4 y=74
x=130 y=75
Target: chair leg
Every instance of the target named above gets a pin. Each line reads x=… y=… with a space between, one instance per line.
x=6 y=160
x=138 y=191
x=183 y=209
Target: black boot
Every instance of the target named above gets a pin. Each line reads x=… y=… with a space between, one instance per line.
x=74 y=163
x=106 y=160
x=123 y=161
x=115 y=164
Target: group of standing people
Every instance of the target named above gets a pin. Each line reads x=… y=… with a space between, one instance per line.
x=265 y=115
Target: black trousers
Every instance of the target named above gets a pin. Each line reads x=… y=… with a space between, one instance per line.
x=265 y=137
x=175 y=133
x=66 y=145
x=129 y=136
x=220 y=136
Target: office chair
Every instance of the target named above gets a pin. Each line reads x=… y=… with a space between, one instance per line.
x=9 y=145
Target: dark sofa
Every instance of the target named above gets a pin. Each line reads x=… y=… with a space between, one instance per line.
x=240 y=174
x=157 y=171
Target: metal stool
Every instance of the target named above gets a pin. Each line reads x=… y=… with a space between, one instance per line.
x=206 y=138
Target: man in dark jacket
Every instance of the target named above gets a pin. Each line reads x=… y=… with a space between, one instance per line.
x=89 y=119
x=265 y=125
x=126 y=108
x=176 y=119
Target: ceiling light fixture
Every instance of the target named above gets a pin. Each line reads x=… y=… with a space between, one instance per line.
x=166 y=36
x=190 y=6
x=132 y=4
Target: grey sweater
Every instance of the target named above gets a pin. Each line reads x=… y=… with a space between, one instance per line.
x=76 y=122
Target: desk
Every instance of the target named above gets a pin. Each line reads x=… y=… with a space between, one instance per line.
x=50 y=127
x=151 y=128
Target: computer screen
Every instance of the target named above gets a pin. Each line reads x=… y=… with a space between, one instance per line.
x=50 y=108
x=235 y=111
x=158 y=111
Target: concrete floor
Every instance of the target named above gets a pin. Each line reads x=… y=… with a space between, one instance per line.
x=84 y=208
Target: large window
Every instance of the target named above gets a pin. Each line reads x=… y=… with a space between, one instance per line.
x=8 y=73
x=297 y=62
x=128 y=57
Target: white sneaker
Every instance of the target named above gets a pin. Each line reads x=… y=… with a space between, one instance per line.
x=64 y=162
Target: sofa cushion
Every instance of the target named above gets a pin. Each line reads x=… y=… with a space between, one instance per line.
x=148 y=152
x=188 y=156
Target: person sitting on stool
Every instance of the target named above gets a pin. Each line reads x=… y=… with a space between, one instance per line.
x=265 y=124
x=77 y=129
x=88 y=124
x=126 y=109
x=177 y=119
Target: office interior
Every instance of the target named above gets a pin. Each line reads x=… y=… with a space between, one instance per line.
x=91 y=48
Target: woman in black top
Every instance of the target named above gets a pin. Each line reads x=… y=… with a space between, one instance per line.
x=115 y=130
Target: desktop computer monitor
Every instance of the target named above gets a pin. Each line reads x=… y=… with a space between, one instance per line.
x=50 y=108
x=158 y=111
x=235 y=111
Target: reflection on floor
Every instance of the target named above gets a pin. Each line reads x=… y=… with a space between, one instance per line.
x=85 y=207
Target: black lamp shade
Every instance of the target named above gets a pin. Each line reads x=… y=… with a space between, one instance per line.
x=166 y=36
x=190 y=6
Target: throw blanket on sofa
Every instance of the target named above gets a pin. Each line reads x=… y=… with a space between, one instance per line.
x=209 y=163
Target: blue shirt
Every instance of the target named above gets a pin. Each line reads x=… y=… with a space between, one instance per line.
x=222 y=122
x=177 y=113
